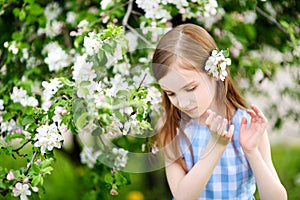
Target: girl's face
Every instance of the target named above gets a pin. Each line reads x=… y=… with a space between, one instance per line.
x=190 y=91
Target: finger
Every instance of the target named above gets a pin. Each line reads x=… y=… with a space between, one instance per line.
x=210 y=117
x=222 y=128
x=258 y=111
x=216 y=124
x=230 y=131
x=251 y=113
x=244 y=123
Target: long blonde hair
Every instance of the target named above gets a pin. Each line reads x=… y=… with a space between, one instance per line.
x=193 y=45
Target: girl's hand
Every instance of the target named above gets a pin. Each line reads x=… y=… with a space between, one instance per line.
x=217 y=127
x=250 y=138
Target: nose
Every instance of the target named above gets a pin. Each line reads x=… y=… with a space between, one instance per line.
x=183 y=101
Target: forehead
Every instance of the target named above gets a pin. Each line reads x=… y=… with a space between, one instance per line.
x=176 y=78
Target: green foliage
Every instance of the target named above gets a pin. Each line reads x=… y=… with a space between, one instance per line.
x=69 y=64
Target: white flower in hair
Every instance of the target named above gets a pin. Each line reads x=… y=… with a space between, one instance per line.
x=216 y=64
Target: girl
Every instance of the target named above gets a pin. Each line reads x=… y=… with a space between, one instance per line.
x=215 y=148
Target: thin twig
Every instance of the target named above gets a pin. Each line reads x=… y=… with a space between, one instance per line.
x=19 y=148
x=142 y=82
x=128 y=12
x=31 y=161
x=139 y=35
x=272 y=20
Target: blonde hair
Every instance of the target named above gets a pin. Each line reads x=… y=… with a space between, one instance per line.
x=191 y=45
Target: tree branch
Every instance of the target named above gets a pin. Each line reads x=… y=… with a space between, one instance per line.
x=31 y=161
x=273 y=20
x=19 y=148
x=128 y=12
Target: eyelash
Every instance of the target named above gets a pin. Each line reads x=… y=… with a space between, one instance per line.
x=191 y=89
x=188 y=90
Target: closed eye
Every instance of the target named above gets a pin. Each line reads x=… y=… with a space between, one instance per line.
x=191 y=89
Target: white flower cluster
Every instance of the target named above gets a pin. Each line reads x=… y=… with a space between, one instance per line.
x=56 y=58
x=216 y=64
x=20 y=96
x=92 y=44
x=50 y=88
x=121 y=157
x=53 y=27
x=89 y=156
x=155 y=9
x=210 y=8
x=47 y=138
x=134 y=126
x=12 y=47
x=9 y=126
x=83 y=70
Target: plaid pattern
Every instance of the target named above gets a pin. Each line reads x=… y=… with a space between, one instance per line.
x=232 y=178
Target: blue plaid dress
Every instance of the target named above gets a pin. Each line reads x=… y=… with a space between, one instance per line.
x=232 y=178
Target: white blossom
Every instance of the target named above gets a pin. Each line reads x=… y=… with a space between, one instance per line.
x=52 y=11
x=20 y=96
x=118 y=83
x=10 y=176
x=91 y=43
x=51 y=88
x=249 y=16
x=132 y=40
x=57 y=58
x=1 y=104
x=47 y=138
x=21 y=190
x=83 y=70
x=105 y=3
x=153 y=96
x=71 y=17
x=12 y=47
x=121 y=157
x=53 y=28
x=89 y=156
x=122 y=68
x=59 y=111
x=210 y=8
x=216 y=65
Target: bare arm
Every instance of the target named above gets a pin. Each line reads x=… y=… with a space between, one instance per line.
x=256 y=145
x=196 y=179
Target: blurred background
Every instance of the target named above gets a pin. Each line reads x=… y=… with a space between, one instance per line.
x=262 y=37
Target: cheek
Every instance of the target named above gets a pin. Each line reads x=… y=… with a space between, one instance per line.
x=204 y=97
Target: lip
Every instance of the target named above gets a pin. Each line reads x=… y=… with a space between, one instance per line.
x=190 y=110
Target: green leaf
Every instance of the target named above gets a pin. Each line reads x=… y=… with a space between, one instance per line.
x=47 y=170
x=14 y=136
x=125 y=93
x=120 y=179
x=35 y=168
x=16 y=12
x=37 y=180
x=6 y=116
x=22 y=15
x=82 y=120
x=78 y=108
x=34 y=9
x=17 y=35
x=108 y=178
x=27 y=120
x=97 y=132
